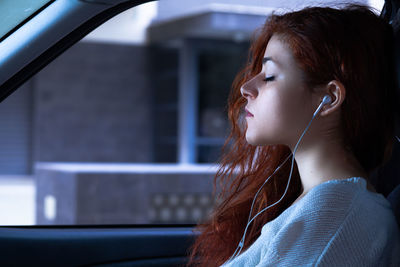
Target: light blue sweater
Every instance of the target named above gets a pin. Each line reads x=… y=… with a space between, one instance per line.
x=337 y=223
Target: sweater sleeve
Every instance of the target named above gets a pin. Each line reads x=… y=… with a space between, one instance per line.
x=353 y=238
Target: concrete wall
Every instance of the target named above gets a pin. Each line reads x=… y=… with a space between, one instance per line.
x=122 y=194
x=177 y=8
x=16 y=131
x=93 y=103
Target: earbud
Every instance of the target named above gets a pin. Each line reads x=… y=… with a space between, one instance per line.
x=326 y=100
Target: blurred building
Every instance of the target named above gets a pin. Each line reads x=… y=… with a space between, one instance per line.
x=149 y=86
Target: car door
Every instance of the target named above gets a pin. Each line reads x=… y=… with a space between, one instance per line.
x=29 y=47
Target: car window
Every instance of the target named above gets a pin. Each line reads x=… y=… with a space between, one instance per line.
x=127 y=126
x=13 y=13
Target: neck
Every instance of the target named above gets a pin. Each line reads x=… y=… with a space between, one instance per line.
x=321 y=161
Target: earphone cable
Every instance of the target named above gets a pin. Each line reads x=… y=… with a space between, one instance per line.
x=241 y=243
x=255 y=197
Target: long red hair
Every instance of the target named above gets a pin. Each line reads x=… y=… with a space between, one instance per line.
x=351 y=45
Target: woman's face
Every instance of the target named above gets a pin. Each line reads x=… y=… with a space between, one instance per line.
x=278 y=103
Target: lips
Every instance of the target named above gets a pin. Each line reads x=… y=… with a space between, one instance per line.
x=248 y=113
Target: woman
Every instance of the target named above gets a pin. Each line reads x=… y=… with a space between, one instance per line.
x=324 y=211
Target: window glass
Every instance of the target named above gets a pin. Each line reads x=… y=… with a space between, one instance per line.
x=14 y=12
x=126 y=126
x=217 y=69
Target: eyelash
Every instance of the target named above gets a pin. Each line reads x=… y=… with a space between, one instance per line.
x=268 y=79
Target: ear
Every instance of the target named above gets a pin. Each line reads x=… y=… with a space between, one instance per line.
x=338 y=93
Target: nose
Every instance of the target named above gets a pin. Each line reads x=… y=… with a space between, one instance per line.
x=249 y=89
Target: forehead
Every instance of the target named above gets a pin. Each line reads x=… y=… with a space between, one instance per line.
x=278 y=53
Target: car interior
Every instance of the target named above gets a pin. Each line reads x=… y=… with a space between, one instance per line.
x=22 y=55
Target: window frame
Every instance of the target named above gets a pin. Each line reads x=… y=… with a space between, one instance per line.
x=38 y=42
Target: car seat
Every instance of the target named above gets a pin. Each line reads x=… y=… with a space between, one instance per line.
x=391 y=13
x=394 y=199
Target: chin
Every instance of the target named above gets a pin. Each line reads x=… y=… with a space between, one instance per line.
x=254 y=141
x=250 y=142
x=258 y=141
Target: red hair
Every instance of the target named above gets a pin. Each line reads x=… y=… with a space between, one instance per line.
x=351 y=45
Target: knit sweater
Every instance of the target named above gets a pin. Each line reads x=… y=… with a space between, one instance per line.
x=337 y=223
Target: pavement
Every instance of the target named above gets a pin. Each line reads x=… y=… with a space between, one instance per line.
x=17 y=200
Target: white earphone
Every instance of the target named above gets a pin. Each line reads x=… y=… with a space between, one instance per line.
x=325 y=101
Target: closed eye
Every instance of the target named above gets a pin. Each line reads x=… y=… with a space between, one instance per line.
x=270 y=78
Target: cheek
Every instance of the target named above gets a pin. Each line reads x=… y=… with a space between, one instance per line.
x=278 y=120
x=269 y=124
x=275 y=109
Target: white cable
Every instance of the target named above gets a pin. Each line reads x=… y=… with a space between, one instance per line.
x=241 y=242
x=255 y=197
